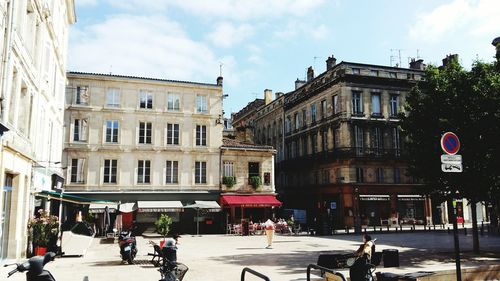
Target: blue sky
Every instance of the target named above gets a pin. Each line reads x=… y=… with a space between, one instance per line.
x=268 y=44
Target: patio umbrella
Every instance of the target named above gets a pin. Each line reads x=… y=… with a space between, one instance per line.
x=107 y=220
x=204 y=205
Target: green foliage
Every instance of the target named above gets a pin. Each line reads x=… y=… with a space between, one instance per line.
x=229 y=181
x=163 y=225
x=43 y=228
x=255 y=181
x=468 y=104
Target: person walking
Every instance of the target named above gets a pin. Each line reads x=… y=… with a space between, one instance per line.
x=269 y=225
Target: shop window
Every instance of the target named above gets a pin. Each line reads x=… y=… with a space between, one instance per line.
x=359 y=175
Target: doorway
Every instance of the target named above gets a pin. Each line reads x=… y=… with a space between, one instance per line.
x=5 y=218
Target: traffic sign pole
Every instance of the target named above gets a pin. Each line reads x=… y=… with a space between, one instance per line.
x=455 y=238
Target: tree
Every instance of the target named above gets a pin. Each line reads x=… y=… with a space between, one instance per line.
x=468 y=104
x=163 y=225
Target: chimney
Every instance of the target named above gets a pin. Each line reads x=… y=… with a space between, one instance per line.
x=417 y=64
x=268 y=96
x=279 y=94
x=219 y=81
x=449 y=59
x=299 y=83
x=496 y=43
x=330 y=62
x=310 y=74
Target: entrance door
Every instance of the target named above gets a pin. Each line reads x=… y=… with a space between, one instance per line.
x=5 y=218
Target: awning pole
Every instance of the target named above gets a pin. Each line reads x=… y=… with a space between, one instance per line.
x=198 y=221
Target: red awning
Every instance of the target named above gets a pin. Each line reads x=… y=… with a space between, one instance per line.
x=250 y=200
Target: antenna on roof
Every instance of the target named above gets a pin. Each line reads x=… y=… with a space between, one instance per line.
x=110 y=69
x=220 y=68
x=396 y=58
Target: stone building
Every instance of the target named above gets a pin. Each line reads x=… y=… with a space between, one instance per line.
x=241 y=197
x=152 y=142
x=33 y=48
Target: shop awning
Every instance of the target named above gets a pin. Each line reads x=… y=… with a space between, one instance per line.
x=99 y=208
x=209 y=206
x=410 y=197
x=250 y=200
x=69 y=198
x=159 y=206
x=374 y=197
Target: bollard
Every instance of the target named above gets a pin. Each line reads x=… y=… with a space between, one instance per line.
x=387 y=227
x=448 y=230
x=482 y=228
x=434 y=227
x=364 y=230
x=401 y=227
x=374 y=229
x=465 y=231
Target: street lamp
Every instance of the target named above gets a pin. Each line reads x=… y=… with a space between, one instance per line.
x=357 y=219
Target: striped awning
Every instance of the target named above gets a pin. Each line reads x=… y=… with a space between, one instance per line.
x=159 y=206
x=99 y=208
x=373 y=197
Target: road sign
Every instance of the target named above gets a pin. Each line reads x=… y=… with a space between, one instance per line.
x=451 y=168
x=450 y=143
x=333 y=205
x=451 y=159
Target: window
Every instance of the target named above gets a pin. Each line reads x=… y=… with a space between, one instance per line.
x=313 y=113
x=314 y=144
x=146 y=100
x=358 y=140
x=393 y=75
x=376 y=104
x=112 y=131
x=200 y=172
x=356 y=71
x=380 y=175
x=113 y=98
x=80 y=130
x=173 y=134
x=336 y=105
x=77 y=170
x=359 y=175
x=296 y=120
x=145 y=132
x=336 y=137
x=173 y=102
x=304 y=117
x=201 y=135
x=324 y=141
x=201 y=104
x=394 y=104
x=357 y=103
x=304 y=146
x=172 y=168
x=397 y=175
x=373 y=72
x=110 y=170
x=396 y=141
x=377 y=141
x=323 y=109
x=143 y=171
x=288 y=126
x=296 y=148
x=228 y=170
x=81 y=95
x=253 y=170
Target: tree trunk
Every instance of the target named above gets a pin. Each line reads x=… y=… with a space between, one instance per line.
x=475 y=236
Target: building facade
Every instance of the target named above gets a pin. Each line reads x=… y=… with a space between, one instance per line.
x=33 y=48
x=133 y=139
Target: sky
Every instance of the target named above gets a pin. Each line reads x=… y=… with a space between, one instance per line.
x=264 y=44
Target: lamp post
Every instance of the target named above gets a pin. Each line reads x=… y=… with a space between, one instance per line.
x=357 y=219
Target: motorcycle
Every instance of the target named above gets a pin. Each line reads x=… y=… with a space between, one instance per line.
x=128 y=246
x=34 y=267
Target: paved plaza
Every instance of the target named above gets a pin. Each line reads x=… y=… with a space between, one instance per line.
x=222 y=257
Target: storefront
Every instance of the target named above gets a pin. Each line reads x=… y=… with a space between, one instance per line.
x=411 y=209
x=374 y=208
x=248 y=207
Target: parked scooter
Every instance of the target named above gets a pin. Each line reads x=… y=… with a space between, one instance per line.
x=128 y=246
x=34 y=267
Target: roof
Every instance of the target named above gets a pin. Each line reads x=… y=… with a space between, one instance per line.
x=230 y=143
x=137 y=77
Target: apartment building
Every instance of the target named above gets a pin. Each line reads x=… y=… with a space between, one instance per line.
x=151 y=142
x=33 y=49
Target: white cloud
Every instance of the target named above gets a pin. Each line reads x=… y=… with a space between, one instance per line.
x=460 y=17
x=226 y=34
x=320 y=32
x=227 y=9
x=295 y=28
x=151 y=46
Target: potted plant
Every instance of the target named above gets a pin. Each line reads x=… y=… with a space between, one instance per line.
x=163 y=226
x=43 y=229
x=255 y=181
x=229 y=181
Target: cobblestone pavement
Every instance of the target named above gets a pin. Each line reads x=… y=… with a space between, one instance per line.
x=222 y=257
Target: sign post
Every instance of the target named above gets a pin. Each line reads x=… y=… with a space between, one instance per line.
x=451 y=162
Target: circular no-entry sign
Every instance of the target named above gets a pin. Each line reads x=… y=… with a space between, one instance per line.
x=450 y=143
